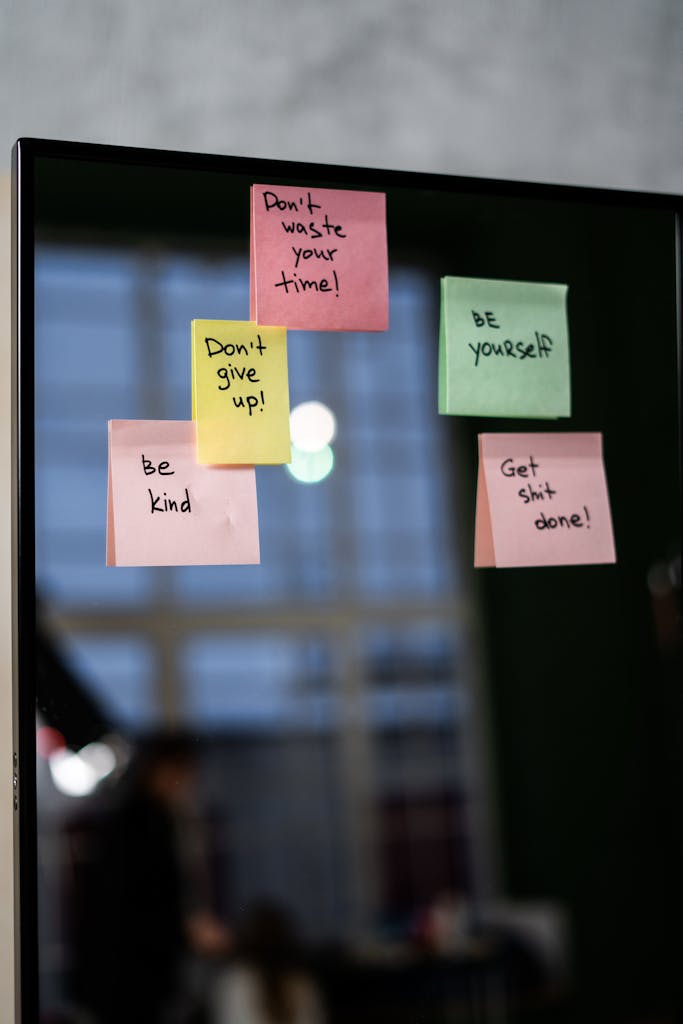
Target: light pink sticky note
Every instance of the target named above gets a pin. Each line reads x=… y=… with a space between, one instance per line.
x=318 y=259
x=542 y=500
x=163 y=508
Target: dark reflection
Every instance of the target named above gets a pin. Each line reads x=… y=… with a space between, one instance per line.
x=268 y=982
x=461 y=792
x=60 y=697
x=139 y=902
x=157 y=926
x=286 y=868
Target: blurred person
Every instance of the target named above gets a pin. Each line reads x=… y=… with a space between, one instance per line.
x=140 y=912
x=266 y=983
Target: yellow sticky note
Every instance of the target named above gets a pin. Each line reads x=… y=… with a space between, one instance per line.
x=240 y=393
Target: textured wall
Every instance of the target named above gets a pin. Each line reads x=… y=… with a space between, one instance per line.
x=585 y=91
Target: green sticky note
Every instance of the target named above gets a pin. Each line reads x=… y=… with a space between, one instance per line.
x=503 y=349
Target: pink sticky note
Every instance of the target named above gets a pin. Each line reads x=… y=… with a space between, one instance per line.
x=163 y=508
x=542 y=500
x=318 y=259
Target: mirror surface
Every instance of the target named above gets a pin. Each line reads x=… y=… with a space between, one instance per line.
x=360 y=781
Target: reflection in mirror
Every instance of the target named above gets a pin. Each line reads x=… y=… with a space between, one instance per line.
x=358 y=782
x=260 y=791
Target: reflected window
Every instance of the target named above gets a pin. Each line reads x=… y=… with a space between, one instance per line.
x=375 y=529
x=326 y=684
x=119 y=672
x=258 y=682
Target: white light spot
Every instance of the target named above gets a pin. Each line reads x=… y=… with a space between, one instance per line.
x=100 y=757
x=77 y=774
x=312 y=426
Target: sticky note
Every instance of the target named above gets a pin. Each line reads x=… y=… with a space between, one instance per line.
x=165 y=509
x=240 y=392
x=503 y=349
x=319 y=258
x=542 y=500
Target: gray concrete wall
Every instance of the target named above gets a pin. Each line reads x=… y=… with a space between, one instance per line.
x=580 y=91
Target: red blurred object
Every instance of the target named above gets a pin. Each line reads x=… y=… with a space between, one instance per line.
x=48 y=740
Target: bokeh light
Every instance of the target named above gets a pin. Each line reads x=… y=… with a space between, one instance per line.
x=77 y=774
x=48 y=740
x=312 y=426
x=311 y=467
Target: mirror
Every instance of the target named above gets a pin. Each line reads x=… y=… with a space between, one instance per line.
x=360 y=781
